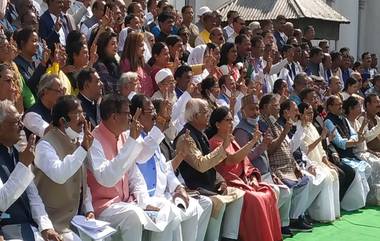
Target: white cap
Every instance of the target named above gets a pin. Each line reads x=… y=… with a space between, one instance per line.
x=163 y=74
x=203 y=10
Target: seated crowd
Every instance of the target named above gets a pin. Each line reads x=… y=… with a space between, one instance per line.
x=120 y=112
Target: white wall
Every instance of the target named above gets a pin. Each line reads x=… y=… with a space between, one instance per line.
x=348 y=34
x=371 y=34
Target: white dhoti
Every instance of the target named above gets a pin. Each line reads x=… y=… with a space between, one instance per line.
x=226 y=220
x=356 y=194
x=130 y=220
x=326 y=205
x=284 y=198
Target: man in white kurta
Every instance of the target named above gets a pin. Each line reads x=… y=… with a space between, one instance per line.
x=19 y=181
x=117 y=188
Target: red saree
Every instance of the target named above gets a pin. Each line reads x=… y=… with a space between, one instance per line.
x=260 y=219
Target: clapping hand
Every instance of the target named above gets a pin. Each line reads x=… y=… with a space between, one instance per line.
x=256 y=135
x=227 y=141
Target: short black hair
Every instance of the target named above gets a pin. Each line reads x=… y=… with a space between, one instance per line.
x=137 y=102
x=181 y=71
x=230 y=13
x=84 y=76
x=286 y=48
x=64 y=105
x=368 y=99
x=172 y=39
x=255 y=40
x=164 y=16
x=112 y=103
x=335 y=55
x=128 y=19
x=349 y=82
x=185 y=7
x=131 y=7
x=315 y=51
x=364 y=54
x=278 y=85
x=349 y=104
x=285 y=106
x=240 y=38
x=265 y=100
x=22 y=36
x=303 y=94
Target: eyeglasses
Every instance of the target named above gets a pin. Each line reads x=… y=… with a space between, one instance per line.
x=60 y=91
x=78 y=115
x=17 y=122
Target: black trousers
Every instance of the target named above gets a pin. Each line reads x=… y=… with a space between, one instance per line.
x=346 y=177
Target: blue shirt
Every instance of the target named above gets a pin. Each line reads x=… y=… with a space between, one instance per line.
x=148 y=170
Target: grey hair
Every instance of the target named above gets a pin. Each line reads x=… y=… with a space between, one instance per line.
x=128 y=77
x=193 y=107
x=47 y=81
x=5 y=107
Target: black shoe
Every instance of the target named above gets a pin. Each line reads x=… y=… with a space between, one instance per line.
x=299 y=226
x=286 y=232
x=305 y=221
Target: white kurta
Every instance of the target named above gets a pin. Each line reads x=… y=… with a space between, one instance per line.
x=59 y=171
x=166 y=183
x=327 y=205
x=361 y=151
x=20 y=181
x=130 y=217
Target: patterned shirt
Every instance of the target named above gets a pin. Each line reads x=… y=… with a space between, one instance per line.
x=281 y=161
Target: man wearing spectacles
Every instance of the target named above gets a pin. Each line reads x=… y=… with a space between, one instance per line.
x=59 y=161
x=38 y=117
x=22 y=213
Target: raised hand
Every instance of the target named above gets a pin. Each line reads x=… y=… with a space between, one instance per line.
x=267 y=140
x=27 y=156
x=227 y=141
x=88 y=137
x=46 y=53
x=93 y=54
x=184 y=149
x=136 y=127
x=256 y=135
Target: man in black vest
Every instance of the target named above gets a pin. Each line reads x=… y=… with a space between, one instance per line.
x=199 y=173
x=22 y=213
x=38 y=117
x=90 y=90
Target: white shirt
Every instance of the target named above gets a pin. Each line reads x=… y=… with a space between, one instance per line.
x=79 y=12
x=122 y=38
x=87 y=31
x=34 y=122
x=109 y=172
x=59 y=171
x=20 y=180
x=61 y=33
x=166 y=180
x=228 y=30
